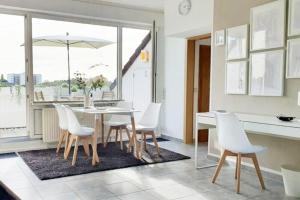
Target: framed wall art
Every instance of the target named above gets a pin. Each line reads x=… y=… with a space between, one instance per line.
x=236 y=77
x=267 y=73
x=293 y=59
x=220 y=38
x=237 y=42
x=294 y=18
x=267 y=26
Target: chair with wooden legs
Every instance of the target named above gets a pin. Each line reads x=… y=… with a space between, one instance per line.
x=118 y=123
x=78 y=134
x=148 y=124
x=63 y=127
x=235 y=142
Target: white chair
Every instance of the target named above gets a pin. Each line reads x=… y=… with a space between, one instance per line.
x=63 y=126
x=235 y=142
x=78 y=133
x=148 y=124
x=118 y=123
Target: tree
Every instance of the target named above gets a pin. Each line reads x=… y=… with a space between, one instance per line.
x=2 y=78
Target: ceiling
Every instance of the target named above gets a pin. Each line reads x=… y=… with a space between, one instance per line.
x=151 y=5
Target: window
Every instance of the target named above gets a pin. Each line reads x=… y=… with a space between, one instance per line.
x=137 y=67
x=65 y=50
x=12 y=80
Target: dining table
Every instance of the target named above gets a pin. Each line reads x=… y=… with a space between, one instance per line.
x=99 y=113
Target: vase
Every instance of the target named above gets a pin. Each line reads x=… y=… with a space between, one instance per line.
x=87 y=101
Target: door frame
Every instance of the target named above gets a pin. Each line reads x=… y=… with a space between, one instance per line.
x=189 y=87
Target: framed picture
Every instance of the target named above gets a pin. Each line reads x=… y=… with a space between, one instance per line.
x=293 y=59
x=220 y=38
x=267 y=23
x=294 y=18
x=236 y=77
x=267 y=73
x=237 y=42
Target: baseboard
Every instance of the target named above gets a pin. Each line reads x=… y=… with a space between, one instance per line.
x=171 y=138
x=267 y=172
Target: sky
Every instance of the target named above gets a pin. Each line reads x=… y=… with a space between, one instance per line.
x=51 y=62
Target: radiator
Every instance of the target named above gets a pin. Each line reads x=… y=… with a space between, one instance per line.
x=50 y=125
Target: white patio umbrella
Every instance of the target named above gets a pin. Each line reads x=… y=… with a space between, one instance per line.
x=70 y=41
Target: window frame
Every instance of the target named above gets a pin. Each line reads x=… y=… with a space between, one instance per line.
x=77 y=19
x=28 y=14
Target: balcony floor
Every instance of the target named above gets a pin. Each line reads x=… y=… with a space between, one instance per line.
x=13 y=132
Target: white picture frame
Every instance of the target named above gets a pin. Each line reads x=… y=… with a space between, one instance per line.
x=293 y=59
x=268 y=26
x=294 y=18
x=237 y=42
x=236 y=77
x=266 y=74
x=220 y=38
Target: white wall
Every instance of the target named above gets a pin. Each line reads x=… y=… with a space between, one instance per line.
x=197 y=22
x=280 y=151
x=173 y=107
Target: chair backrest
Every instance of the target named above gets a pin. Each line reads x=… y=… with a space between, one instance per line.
x=107 y=95
x=150 y=117
x=73 y=123
x=62 y=116
x=122 y=118
x=231 y=134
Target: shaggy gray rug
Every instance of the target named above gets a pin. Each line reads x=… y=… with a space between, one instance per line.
x=47 y=165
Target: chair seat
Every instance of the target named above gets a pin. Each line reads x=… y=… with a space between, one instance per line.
x=84 y=131
x=115 y=123
x=139 y=127
x=249 y=149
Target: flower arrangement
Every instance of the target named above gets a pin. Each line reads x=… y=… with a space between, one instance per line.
x=88 y=85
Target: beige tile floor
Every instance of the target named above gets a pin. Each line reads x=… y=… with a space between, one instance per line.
x=174 y=180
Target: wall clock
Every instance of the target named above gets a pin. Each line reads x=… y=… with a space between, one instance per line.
x=184 y=7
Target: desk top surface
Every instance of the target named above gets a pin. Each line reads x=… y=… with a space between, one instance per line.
x=256 y=118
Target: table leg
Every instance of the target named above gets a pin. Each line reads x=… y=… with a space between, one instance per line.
x=94 y=145
x=133 y=141
x=102 y=128
x=196 y=151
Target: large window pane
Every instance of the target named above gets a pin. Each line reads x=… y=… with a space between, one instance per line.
x=12 y=80
x=137 y=68
x=92 y=53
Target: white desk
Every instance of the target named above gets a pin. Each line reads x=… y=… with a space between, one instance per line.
x=257 y=124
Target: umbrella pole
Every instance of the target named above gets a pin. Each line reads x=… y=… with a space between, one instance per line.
x=69 y=77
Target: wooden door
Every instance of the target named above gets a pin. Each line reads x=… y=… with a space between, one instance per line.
x=203 y=86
